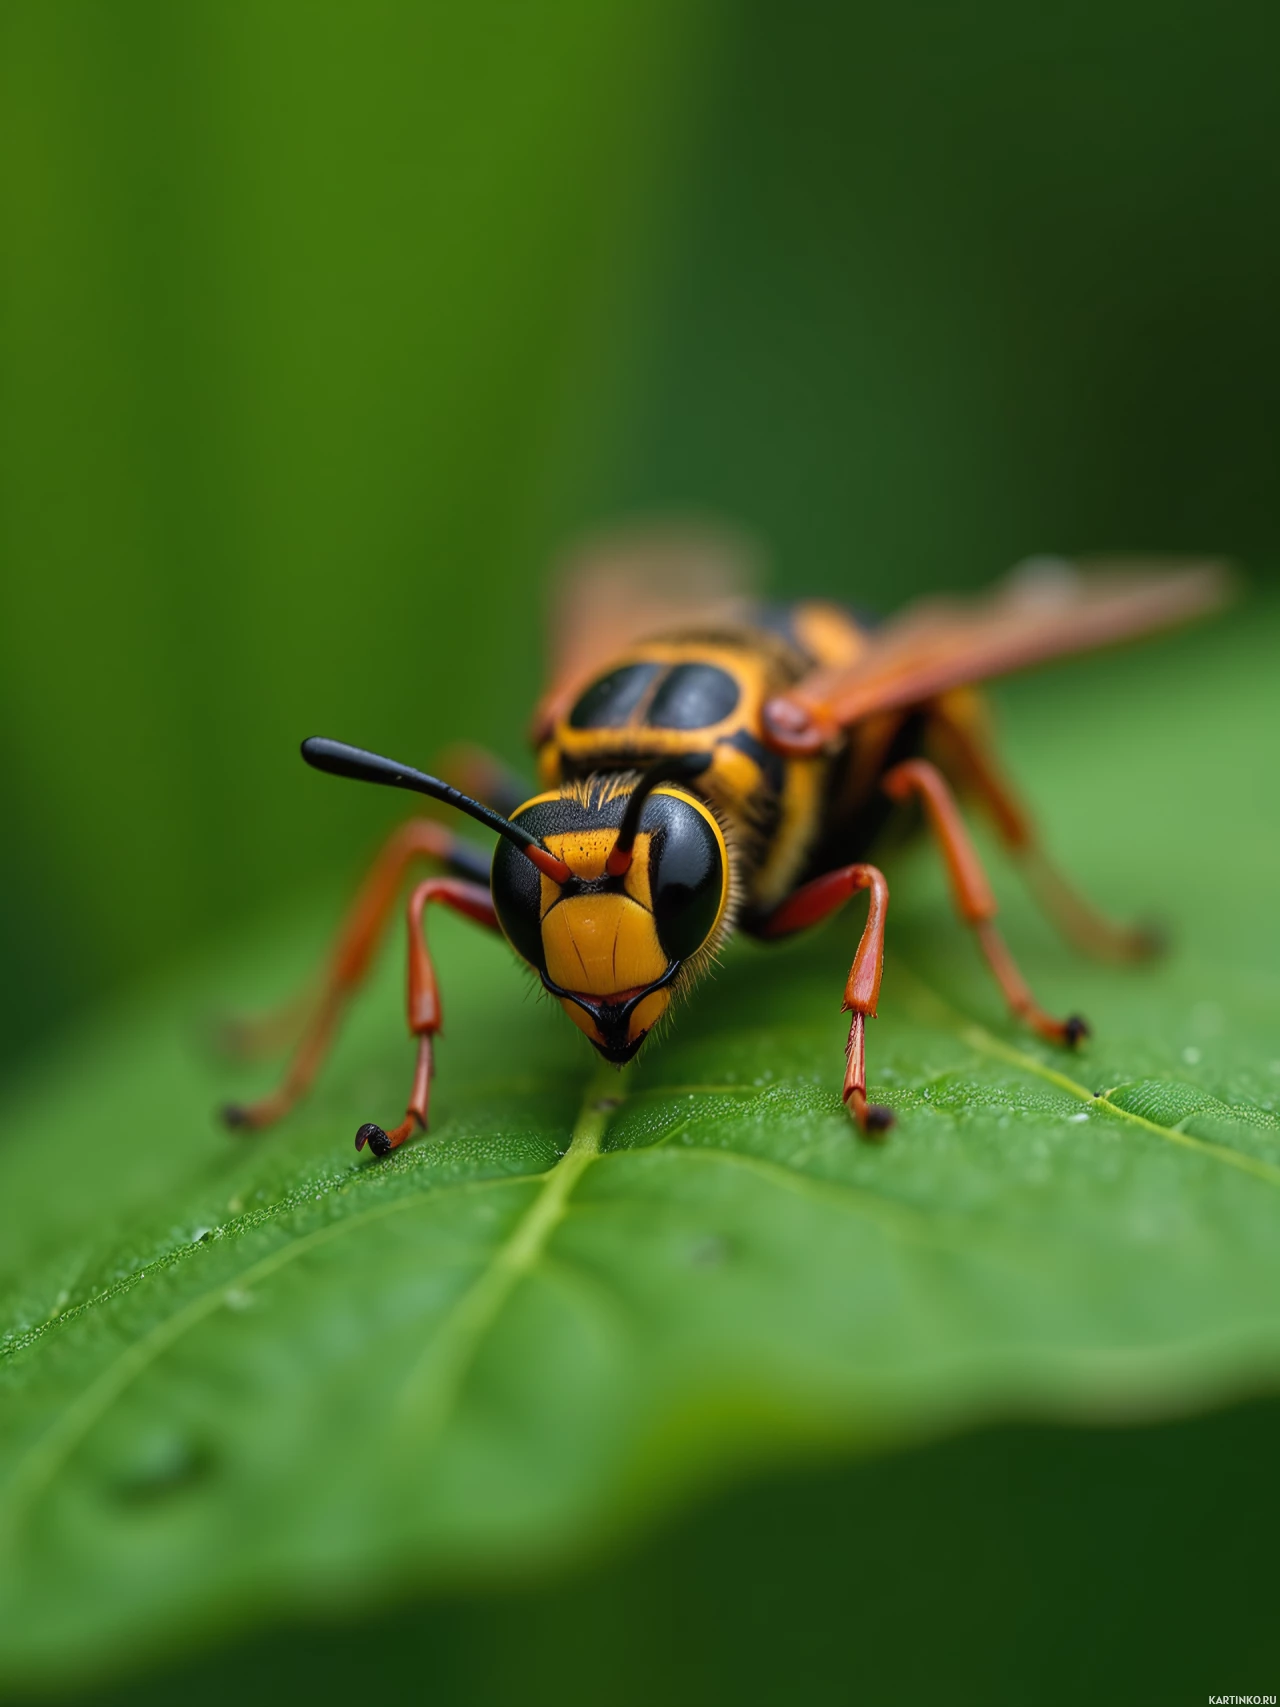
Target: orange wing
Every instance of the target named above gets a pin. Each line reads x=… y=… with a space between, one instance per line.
x=624 y=587
x=1045 y=610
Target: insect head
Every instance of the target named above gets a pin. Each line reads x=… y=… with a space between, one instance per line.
x=613 y=889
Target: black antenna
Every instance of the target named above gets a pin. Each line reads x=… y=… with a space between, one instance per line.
x=680 y=767
x=339 y=759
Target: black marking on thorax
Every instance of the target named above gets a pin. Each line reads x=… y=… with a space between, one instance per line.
x=684 y=696
x=773 y=767
x=611 y=701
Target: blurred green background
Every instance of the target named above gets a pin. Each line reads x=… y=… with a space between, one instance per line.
x=326 y=326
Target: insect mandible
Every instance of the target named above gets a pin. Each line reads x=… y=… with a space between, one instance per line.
x=709 y=764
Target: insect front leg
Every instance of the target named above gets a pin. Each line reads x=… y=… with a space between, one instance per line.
x=972 y=894
x=807 y=906
x=353 y=953
x=474 y=902
x=962 y=728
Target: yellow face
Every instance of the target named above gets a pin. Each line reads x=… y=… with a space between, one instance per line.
x=604 y=943
x=610 y=948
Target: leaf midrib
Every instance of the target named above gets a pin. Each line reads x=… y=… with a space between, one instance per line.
x=433 y=1385
x=919 y=993
x=431 y=1388
x=461 y=1335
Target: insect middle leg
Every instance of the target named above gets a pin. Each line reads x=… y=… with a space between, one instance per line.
x=807 y=906
x=972 y=894
x=353 y=952
x=962 y=728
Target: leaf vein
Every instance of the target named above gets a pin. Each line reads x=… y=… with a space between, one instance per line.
x=979 y=1038
x=434 y=1384
x=239 y=1225
x=42 y=1460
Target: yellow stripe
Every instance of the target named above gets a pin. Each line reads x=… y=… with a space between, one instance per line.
x=538 y=800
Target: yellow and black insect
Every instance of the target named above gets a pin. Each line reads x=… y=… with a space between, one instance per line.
x=710 y=764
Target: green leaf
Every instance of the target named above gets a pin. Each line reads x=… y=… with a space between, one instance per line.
x=247 y=1376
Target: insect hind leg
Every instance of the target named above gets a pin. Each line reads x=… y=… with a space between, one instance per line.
x=972 y=894
x=962 y=729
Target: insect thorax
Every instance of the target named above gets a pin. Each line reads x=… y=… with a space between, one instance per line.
x=705 y=692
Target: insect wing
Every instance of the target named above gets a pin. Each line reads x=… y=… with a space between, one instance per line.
x=1047 y=609
x=627 y=587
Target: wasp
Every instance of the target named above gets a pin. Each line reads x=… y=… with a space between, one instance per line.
x=710 y=763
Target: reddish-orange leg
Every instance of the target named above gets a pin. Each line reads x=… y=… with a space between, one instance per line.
x=972 y=893
x=468 y=767
x=813 y=902
x=474 y=902
x=1077 y=919
x=357 y=941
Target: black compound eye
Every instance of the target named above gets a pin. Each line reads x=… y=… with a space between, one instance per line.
x=686 y=877
x=517 y=899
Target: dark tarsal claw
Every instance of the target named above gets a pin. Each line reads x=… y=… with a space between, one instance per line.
x=374 y=1136
x=236 y=1116
x=872 y=1119
x=1074 y=1029
x=877 y=1120
x=1150 y=940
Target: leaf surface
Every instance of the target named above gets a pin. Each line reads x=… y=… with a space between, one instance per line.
x=240 y=1377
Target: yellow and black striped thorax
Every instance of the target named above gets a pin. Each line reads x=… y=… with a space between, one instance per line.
x=684 y=693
